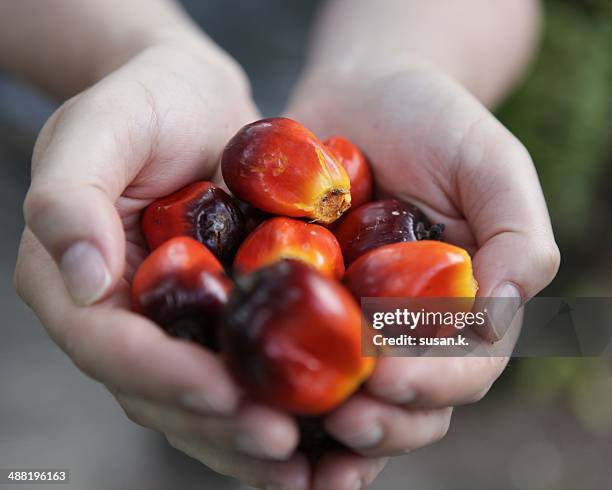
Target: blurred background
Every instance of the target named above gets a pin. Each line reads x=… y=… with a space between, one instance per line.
x=547 y=423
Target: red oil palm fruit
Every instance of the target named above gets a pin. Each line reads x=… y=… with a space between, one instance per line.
x=285 y=238
x=202 y=211
x=356 y=165
x=279 y=166
x=292 y=338
x=435 y=277
x=413 y=269
x=182 y=287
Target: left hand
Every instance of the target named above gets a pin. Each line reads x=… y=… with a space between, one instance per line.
x=432 y=143
x=154 y=125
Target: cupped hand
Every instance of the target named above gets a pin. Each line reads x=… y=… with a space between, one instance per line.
x=432 y=143
x=154 y=125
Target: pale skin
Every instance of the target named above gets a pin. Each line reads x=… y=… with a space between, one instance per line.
x=153 y=101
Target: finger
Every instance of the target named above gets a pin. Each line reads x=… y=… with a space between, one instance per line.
x=121 y=349
x=491 y=185
x=293 y=473
x=375 y=429
x=503 y=202
x=254 y=430
x=434 y=382
x=345 y=471
x=84 y=159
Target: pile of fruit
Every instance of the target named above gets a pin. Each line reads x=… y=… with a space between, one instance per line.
x=256 y=278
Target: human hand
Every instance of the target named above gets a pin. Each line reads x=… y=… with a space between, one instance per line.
x=431 y=143
x=154 y=125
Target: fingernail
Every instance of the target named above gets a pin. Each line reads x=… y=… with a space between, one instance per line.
x=249 y=446
x=85 y=273
x=501 y=307
x=358 y=485
x=207 y=405
x=367 y=438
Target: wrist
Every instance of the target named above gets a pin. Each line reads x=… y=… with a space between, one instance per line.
x=178 y=37
x=327 y=96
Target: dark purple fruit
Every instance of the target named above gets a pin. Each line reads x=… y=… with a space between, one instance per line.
x=381 y=223
x=201 y=211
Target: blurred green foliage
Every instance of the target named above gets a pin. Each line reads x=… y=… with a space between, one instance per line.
x=584 y=385
x=562 y=113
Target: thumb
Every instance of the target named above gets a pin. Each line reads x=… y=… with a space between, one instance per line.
x=503 y=201
x=81 y=230
x=70 y=205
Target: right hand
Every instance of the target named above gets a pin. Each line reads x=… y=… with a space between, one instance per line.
x=151 y=127
x=443 y=151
